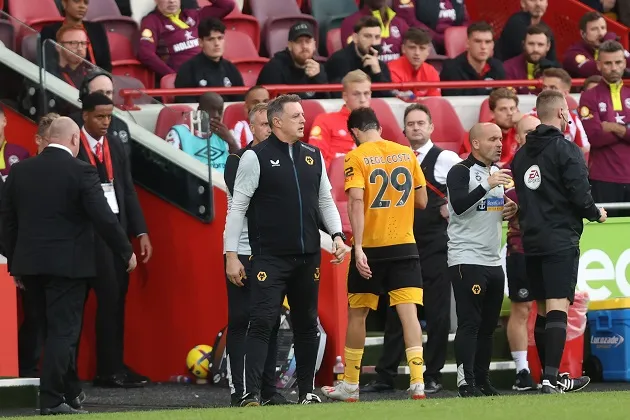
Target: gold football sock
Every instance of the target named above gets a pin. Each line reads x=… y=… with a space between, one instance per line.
x=416 y=364
x=353 y=365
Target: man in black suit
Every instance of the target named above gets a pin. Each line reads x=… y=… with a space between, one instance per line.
x=51 y=205
x=112 y=281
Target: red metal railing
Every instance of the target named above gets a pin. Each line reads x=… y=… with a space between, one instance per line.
x=130 y=94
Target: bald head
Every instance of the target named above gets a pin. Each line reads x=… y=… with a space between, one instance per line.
x=212 y=103
x=486 y=142
x=65 y=132
x=527 y=124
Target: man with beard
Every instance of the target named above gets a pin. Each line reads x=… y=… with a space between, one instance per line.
x=295 y=65
x=361 y=54
x=605 y=113
x=551 y=181
x=580 y=60
x=515 y=30
x=533 y=61
x=474 y=64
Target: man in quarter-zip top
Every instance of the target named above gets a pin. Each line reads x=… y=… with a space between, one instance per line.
x=283 y=187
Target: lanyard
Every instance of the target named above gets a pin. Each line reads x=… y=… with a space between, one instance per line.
x=106 y=155
x=68 y=79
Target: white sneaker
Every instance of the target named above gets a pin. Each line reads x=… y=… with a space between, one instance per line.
x=416 y=391
x=342 y=392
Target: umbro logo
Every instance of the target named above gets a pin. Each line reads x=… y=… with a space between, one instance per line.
x=274 y=163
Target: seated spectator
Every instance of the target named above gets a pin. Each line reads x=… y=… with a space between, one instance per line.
x=474 y=64
x=168 y=35
x=10 y=154
x=393 y=27
x=74 y=12
x=209 y=68
x=436 y=16
x=412 y=66
x=591 y=82
x=503 y=103
x=330 y=131
x=241 y=131
x=533 y=61
x=295 y=65
x=71 y=66
x=559 y=79
x=509 y=44
x=194 y=141
x=580 y=60
x=361 y=54
x=606 y=7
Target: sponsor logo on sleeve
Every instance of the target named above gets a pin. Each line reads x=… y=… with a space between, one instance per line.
x=585 y=113
x=147 y=35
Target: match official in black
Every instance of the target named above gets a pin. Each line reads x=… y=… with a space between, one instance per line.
x=551 y=181
x=282 y=185
x=52 y=204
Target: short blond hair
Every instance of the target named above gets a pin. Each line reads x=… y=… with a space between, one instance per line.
x=45 y=122
x=355 y=76
x=260 y=107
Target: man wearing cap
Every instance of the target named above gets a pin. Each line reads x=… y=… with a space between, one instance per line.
x=295 y=65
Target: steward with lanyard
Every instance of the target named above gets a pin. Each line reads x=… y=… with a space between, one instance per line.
x=168 y=35
x=112 y=281
x=430 y=233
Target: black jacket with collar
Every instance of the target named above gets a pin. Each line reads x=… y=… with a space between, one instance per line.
x=459 y=68
x=201 y=71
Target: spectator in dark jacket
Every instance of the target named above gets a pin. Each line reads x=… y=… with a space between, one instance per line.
x=474 y=64
x=511 y=40
x=295 y=65
x=98 y=48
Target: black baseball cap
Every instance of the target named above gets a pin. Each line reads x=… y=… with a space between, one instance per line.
x=301 y=29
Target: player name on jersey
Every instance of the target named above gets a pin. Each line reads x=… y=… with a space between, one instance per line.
x=379 y=160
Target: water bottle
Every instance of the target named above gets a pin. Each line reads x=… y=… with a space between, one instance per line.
x=338 y=371
x=182 y=379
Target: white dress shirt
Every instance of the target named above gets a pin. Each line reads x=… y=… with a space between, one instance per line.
x=444 y=163
x=92 y=141
x=60 y=146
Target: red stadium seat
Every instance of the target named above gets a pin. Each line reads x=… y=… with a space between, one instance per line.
x=449 y=132
x=108 y=13
x=333 y=41
x=44 y=13
x=234 y=113
x=244 y=24
x=312 y=108
x=204 y=3
x=124 y=62
x=7 y=33
x=455 y=38
x=250 y=69
x=485 y=115
x=276 y=31
x=336 y=176
x=168 y=82
x=391 y=127
x=170 y=116
x=238 y=46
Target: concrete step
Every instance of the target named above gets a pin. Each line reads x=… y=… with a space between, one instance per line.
x=19 y=393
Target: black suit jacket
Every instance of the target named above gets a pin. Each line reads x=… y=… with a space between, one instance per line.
x=98 y=40
x=130 y=212
x=51 y=205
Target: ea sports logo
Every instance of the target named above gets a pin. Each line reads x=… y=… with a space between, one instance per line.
x=532 y=177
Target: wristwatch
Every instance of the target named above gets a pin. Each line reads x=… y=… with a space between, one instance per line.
x=340 y=234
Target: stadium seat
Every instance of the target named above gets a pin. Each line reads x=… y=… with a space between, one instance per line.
x=250 y=69
x=336 y=176
x=168 y=82
x=391 y=127
x=436 y=59
x=449 y=132
x=455 y=38
x=245 y=24
x=29 y=47
x=485 y=115
x=234 y=113
x=329 y=15
x=107 y=13
x=312 y=108
x=44 y=13
x=170 y=116
x=276 y=31
x=238 y=46
x=126 y=82
x=333 y=41
x=124 y=62
x=204 y=3
x=7 y=33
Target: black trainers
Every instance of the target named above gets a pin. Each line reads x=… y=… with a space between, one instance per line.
x=309 y=398
x=235 y=400
x=487 y=389
x=432 y=386
x=276 y=399
x=468 y=391
x=249 y=400
x=376 y=386
x=568 y=384
x=547 y=388
x=524 y=381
